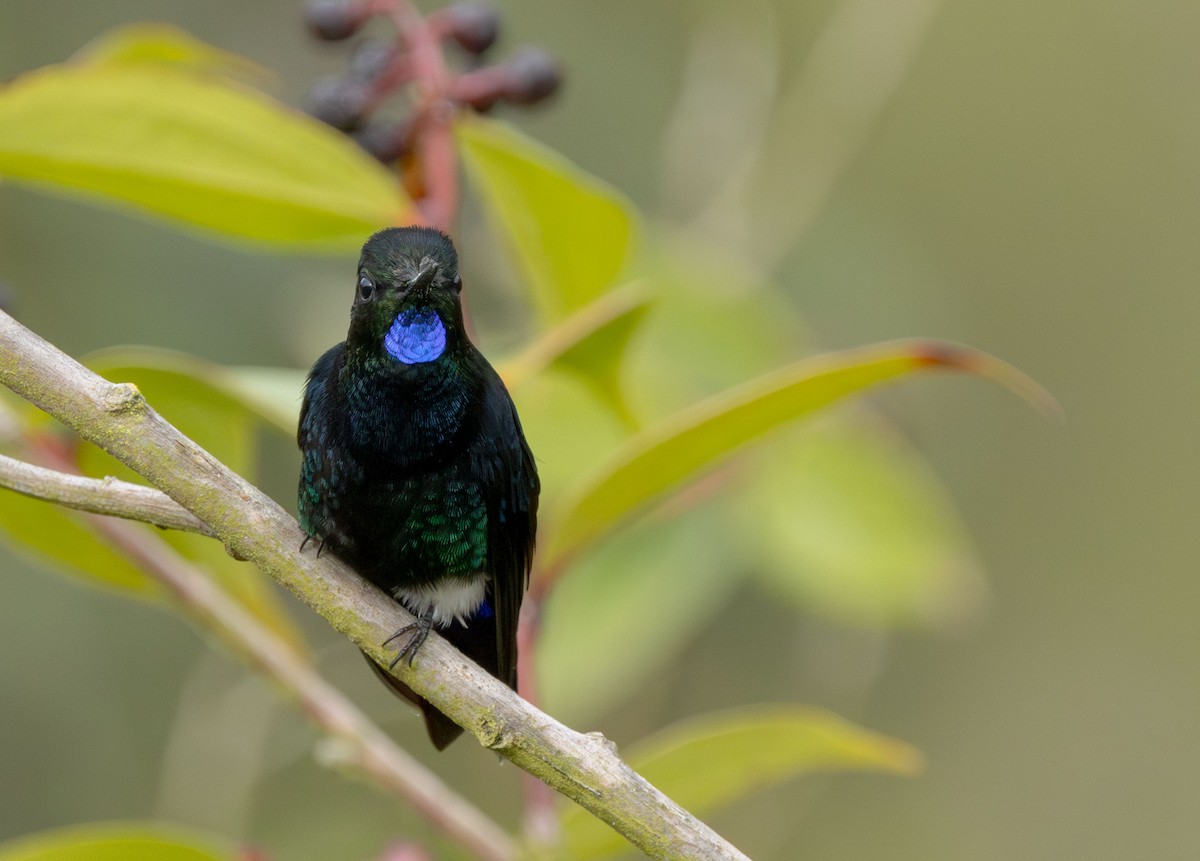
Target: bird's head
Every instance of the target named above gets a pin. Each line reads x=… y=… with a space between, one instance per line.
x=406 y=298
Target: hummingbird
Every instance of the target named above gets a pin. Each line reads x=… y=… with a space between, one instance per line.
x=415 y=468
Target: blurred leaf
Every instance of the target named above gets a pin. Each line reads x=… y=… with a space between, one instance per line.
x=592 y=342
x=567 y=426
x=114 y=842
x=682 y=447
x=57 y=535
x=273 y=393
x=178 y=387
x=713 y=326
x=571 y=234
x=849 y=521
x=881 y=544
x=599 y=359
x=670 y=565
x=710 y=761
x=203 y=152
x=270 y=395
x=166 y=45
x=51 y=534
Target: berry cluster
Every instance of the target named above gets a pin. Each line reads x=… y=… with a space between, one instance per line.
x=414 y=60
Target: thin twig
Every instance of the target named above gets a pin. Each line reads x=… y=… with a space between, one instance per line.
x=435 y=113
x=109 y=496
x=583 y=767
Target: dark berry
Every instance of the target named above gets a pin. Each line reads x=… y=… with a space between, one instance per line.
x=340 y=102
x=385 y=139
x=475 y=26
x=332 y=20
x=371 y=58
x=532 y=75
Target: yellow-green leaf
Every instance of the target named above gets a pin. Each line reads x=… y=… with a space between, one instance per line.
x=203 y=152
x=683 y=446
x=571 y=234
x=267 y=394
x=55 y=535
x=849 y=521
x=273 y=393
x=670 y=565
x=567 y=425
x=116 y=842
x=52 y=534
x=592 y=343
x=166 y=45
x=710 y=761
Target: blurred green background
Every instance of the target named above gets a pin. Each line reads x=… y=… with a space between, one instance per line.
x=1021 y=177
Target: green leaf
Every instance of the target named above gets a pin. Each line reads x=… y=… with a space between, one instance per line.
x=849 y=521
x=203 y=152
x=166 y=45
x=274 y=394
x=592 y=342
x=670 y=565
x=267 y=394
x=115 y=842
x=567 y=425
x=58 y=536
x=707 y=762
x=713 y=326
x=571 y=234
x=684 y=446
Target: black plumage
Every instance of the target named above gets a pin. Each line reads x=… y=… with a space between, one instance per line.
x=415 y=467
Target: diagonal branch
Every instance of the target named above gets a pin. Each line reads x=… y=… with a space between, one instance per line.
x=585 y=768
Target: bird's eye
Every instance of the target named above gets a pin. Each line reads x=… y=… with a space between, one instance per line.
x=366 y=287
x=456 y=284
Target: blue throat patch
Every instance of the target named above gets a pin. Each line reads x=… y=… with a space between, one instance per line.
x=416 y=337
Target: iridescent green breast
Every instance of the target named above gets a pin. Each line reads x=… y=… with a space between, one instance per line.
x=444 y=529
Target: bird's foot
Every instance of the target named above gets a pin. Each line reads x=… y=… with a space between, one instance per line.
x=417 y=631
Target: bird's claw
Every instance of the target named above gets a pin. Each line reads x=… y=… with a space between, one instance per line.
x=320 y=544
x=419 y=631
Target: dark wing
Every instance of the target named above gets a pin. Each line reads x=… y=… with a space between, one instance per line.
x=510 y=485
x=321 y=439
